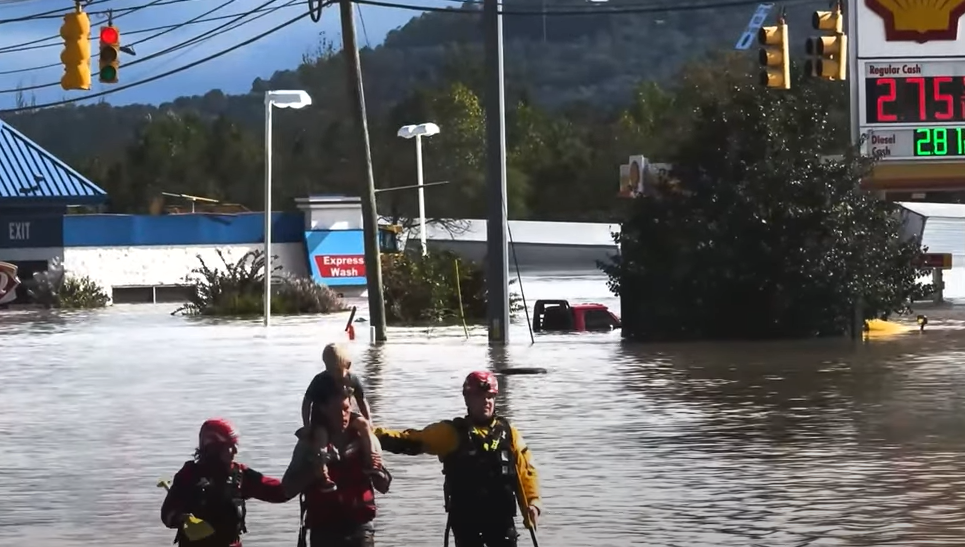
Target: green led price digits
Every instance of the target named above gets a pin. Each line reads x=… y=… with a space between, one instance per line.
x=940 y=141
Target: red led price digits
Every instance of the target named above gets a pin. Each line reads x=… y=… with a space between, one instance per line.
x=886 y=97
x=935 y=99
x=939 y=98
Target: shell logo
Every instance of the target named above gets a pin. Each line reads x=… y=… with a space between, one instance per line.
x=919 y=20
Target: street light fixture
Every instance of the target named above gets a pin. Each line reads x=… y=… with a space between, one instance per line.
x=419 y=131
x=281 y=99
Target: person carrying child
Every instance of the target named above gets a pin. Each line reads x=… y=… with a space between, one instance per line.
x=333 y=380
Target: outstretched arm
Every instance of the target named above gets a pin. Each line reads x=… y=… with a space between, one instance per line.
x=528 y=481
x=438 y=439
x=260 y=487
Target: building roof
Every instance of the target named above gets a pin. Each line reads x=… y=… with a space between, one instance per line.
x=935 y=210
x=31 y=175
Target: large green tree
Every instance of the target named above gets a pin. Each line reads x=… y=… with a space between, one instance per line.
x=761 y=235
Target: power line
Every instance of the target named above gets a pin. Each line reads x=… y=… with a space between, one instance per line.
x=28 y=46
x=47 y=14
x=7 y=49
x=365 y=33
x=168 y=73
x=152 y=37
x=667 y=8
x=57 y=14
x=212 y=33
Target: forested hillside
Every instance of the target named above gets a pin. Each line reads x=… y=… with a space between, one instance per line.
x=593 y=59
x=598 y=89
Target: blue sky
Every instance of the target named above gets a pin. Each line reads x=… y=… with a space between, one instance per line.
x=232 y=73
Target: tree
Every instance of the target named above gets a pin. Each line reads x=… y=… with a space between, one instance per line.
x=761 y=236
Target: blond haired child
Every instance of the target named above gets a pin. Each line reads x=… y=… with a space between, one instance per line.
x=333 y=381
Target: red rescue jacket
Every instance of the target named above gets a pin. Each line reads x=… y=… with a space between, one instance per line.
x=349 y=506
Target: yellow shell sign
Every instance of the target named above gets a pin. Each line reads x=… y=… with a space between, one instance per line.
x=919 y=20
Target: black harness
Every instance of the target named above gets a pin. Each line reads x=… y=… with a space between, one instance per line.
x=218 y=505
x=481 y=473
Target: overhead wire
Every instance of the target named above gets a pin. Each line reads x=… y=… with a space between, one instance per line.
x=168 y=73
x=16 y=47
x=52 y=14
x=188 y=46
x=149 y=38
x=648 y=9
x=596 y=10
x=365 y=33
x=212 y=33
x=29 y=46
x=57 y=14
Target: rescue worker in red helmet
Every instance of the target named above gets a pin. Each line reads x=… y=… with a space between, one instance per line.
x=214 y=487
x=340 y=517
x=487 y=466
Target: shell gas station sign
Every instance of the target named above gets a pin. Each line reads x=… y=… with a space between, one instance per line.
x=908 y=85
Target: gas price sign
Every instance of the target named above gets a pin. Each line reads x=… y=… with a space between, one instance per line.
x=914 y=110
x=933 y=142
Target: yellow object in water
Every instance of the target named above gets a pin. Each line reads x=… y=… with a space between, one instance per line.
x=878 y=328
x=196 y=529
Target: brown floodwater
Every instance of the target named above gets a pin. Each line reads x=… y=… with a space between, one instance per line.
x=814 y=443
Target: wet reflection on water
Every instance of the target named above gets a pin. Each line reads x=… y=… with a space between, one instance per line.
x=782 y=444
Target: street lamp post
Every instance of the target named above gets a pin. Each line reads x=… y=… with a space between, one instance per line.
x=419 y=131
x=280 y=99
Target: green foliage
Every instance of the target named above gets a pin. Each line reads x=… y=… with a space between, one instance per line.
x=423 y=289
x=761 y=236
x=55 y=289
x=238 y=290
x=576 y=80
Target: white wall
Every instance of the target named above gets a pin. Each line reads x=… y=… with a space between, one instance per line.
x=29 y=255
x=166 y=265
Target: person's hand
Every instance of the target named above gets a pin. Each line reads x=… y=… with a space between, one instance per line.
x=533 y=515
x=376 y=461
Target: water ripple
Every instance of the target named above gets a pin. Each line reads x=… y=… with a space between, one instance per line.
x=797 y=444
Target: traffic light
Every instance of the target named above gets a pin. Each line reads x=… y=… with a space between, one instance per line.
x=830 y=53
x=110 y=56
x=76 y=55
x=775 y=56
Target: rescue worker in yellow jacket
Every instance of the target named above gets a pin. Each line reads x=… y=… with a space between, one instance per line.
x=487 y=467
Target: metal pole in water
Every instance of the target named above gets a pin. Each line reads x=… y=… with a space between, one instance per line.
x=497 y=274
x=267 y=297
x=370 y=219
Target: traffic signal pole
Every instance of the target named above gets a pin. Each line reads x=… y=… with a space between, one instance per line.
x=370 y=219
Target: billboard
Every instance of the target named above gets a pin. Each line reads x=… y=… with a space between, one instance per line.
x=336 y=258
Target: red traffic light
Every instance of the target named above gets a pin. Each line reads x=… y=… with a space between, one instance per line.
x=109 y=35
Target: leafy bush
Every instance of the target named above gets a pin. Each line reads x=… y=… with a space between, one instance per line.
x=55 y=288
x=422 y=289
x=761 y=235
x=238 y=290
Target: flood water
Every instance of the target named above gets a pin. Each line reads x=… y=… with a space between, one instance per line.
x=814 y=443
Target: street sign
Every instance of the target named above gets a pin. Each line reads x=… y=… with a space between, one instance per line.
x=757 y=21
x=941 y=261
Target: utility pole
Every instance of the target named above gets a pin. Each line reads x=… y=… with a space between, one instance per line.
x=497 y=268
x=370 y=219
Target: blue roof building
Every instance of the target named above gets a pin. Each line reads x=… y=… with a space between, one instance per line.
x=31 y=176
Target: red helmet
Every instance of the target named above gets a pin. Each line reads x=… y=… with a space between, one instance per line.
x=480 y=382
x=217 y=431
